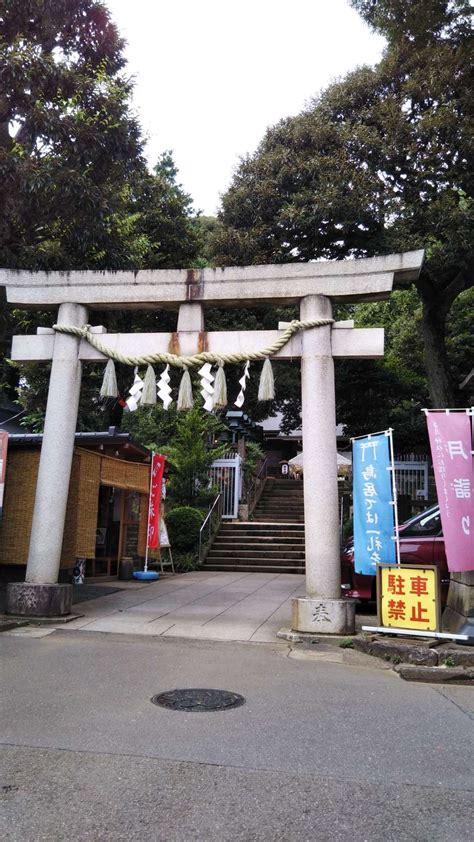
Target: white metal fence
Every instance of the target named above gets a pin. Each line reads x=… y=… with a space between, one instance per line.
x=411 y=475
x=226 y=474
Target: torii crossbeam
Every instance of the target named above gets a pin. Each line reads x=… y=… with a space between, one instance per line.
x=313 y=285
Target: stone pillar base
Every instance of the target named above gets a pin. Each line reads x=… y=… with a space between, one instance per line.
x=458 y=616
x=31 y=600
x=323 y=616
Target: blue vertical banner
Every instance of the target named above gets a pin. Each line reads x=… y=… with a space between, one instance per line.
x=374 y=518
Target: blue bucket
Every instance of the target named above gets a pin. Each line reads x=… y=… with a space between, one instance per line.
x=146 y=575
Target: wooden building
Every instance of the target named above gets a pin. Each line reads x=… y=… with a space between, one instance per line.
x=107 y=506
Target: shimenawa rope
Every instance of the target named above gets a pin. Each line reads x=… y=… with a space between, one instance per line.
x=214 y=389
x=195 y=359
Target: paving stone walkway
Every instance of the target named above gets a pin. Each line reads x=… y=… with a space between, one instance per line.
x=206 y=606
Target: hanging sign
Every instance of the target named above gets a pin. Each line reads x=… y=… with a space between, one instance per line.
x=450 y=441
x=164 y=539
x=3 y=466
x=157 y=468
x=408 y=597
x=374 y=520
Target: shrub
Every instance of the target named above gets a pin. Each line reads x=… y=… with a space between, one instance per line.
x=184 y=524
x=185 y=562
x=206 y=497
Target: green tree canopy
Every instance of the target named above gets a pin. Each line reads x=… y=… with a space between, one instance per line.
x=68 y=142
x=190 y=441
x=379 y=162
x=75 y=189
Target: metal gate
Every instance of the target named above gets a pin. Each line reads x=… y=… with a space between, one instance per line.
x=226 y=474
x=411 y=476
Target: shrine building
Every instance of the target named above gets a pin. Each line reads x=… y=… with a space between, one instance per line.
x=107 y=507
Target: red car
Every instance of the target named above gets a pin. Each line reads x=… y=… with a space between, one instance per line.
x=421 y=542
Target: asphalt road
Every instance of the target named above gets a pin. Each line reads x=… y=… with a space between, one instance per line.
x=321 y=750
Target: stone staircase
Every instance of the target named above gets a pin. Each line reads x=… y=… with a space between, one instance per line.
x=272 y=542
x=281 y=502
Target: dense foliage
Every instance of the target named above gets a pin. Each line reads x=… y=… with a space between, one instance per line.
x=380 y=162
x=190 y=441
x=68 y=142
x=75 y=190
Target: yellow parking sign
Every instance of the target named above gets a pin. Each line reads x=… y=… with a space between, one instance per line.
x=408 y=597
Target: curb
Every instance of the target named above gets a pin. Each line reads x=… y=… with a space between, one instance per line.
x=436 y=675
x=8 y=625
x=430 y=653
x=415 y=660
x=12 y=621
x=309 y=639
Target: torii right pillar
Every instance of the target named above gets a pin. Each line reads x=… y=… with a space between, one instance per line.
x=322 y=609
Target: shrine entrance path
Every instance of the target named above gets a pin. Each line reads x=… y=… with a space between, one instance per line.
x=206 y=606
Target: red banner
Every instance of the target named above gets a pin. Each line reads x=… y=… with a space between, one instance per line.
x=3 y=465
x=450 y=440
x=157 y=469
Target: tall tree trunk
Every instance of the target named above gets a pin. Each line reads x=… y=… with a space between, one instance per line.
x=436 y=359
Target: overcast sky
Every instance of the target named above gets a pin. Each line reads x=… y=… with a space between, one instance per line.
x=211 y=75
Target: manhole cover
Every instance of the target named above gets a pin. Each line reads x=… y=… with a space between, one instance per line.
x=198 y=700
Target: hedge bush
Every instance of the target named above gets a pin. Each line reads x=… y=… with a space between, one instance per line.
x=184 y=524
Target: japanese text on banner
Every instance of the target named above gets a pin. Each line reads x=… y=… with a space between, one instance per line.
x=450 y=440
x=157 y=469
x=373 y=504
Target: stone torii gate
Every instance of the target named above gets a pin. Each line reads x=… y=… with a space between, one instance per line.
x=313 y=285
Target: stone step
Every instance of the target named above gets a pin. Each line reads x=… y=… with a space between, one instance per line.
x=235 y=526
x=280 y=501
x=253 y=562
x=279 y=519
x=280 y=504
x=261 y=524
x=265 y=507
x=289 y=516
x=254 y=552
x=283 y=481
x=243 y=568
x=264 y=541
x=285 y=488
x=266 y=538
x=282 y=494
x=272 y=502
x=280 y=536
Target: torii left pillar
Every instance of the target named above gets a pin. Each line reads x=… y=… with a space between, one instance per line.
x=41 y=594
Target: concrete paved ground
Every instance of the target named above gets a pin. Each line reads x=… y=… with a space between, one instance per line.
x=208 y=606
x=325 y=748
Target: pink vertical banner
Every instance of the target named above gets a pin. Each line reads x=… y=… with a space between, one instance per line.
x=157 y=469
x=3 y=465
x=451 y=448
